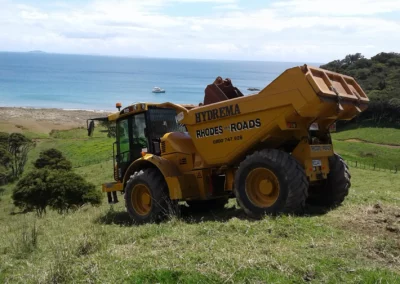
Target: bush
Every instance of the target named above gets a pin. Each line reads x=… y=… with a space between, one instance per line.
x=53 y=184
x=61 y=190
x=52 y=159
x=70 y=190
x=32 y=193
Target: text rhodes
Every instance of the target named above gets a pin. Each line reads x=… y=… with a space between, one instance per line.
x=233 y=127
x=209 y=132
x=217 y=113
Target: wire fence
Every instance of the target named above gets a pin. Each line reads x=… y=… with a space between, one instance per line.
x=371 y=166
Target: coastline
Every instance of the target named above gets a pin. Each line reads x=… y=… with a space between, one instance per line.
x=43 y=120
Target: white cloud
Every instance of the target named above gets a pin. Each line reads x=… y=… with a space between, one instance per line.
x=291 y=30
x=227 y=7
x=338 y=7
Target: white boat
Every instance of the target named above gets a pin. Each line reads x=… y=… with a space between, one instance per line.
x=158 y=90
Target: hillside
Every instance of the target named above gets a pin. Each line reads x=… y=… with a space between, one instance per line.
x=358 y=242
x=369 y=146
x=379 y=76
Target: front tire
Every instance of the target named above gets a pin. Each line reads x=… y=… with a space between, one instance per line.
x=335 y=188
x=270 y=182
x=146 y=197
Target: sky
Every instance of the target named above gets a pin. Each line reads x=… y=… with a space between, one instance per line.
x=261 y=30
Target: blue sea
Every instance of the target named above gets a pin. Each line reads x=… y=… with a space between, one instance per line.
x=98 y=82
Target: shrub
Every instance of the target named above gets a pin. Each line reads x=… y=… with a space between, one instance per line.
x=32 y=193
x=70 y=190
x=53 y=184
x=59 y=189
x=52 y=159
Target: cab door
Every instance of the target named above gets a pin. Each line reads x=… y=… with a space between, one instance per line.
x=123 y=150
x=131 y=141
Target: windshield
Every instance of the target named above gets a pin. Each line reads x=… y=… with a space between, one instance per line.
x=162 y=120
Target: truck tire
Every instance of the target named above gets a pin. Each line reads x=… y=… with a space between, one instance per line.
x=335 y=188
x=206 y=205
x=270 y=182
x=146 y=197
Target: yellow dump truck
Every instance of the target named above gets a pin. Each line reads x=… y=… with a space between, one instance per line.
x=271 y=150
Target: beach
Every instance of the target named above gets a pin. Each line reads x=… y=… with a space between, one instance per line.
x=43 y=120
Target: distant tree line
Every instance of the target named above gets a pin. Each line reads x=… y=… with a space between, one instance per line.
x=380 y=79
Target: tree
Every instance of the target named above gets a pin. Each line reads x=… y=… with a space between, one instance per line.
x=19 y=147
x=70 y=190
x=380 y=79
x=53 y=184
x=52 y=159
x=5 y=159
x=5 y=162
x=111 y=128
x=32 y=193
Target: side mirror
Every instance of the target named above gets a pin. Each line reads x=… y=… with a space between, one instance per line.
x=90 y=127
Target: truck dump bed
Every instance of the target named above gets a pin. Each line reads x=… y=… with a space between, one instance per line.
x=278 y=115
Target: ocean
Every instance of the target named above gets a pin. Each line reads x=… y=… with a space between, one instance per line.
x=97 y=82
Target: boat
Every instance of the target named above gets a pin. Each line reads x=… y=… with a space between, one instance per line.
x=158 y=90
x=253 y=89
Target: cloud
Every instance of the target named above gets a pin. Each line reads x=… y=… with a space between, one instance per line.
x=293 y=30
x=338 y=7
x=233 y=6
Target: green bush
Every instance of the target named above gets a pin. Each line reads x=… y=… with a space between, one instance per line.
x=59 y=190
x=69 y=191
x=53 y=184
x=52 y=159
x=32 y=193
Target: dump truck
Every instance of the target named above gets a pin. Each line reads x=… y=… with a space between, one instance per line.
x=271 y=150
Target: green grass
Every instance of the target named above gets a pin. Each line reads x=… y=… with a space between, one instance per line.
x=377 y=151
x=358 y=242
x=80 y=149
x=370 y=154
x=99 y=244
x=389 y=136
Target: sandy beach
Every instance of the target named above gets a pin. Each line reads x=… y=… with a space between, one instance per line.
x=43 y=120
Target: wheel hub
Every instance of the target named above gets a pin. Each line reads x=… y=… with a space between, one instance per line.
x=141 y=199
x=262 y=187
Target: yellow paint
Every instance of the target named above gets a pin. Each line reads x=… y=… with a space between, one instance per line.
x=220 y=135
x=298 y=95
x=262 y=187
x=112 y=186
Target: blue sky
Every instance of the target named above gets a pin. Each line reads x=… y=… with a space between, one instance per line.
x=286 y=30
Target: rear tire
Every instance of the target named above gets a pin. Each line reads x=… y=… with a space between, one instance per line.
x=146 y=197
x=336 y=187
x=271 y=182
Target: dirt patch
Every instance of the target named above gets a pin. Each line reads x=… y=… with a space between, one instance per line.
x=44 y=120
x=355 y=140
x=379 y=228
x=373 y=220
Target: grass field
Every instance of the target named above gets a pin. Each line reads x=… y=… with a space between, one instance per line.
x=358 y=242
x=370 y=145
x=387 y=136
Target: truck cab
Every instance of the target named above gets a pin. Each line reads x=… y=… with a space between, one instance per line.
x=139 y=129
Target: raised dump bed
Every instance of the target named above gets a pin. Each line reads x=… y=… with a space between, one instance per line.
x=278 y=116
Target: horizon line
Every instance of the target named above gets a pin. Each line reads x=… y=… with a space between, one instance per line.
x=151 y=57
